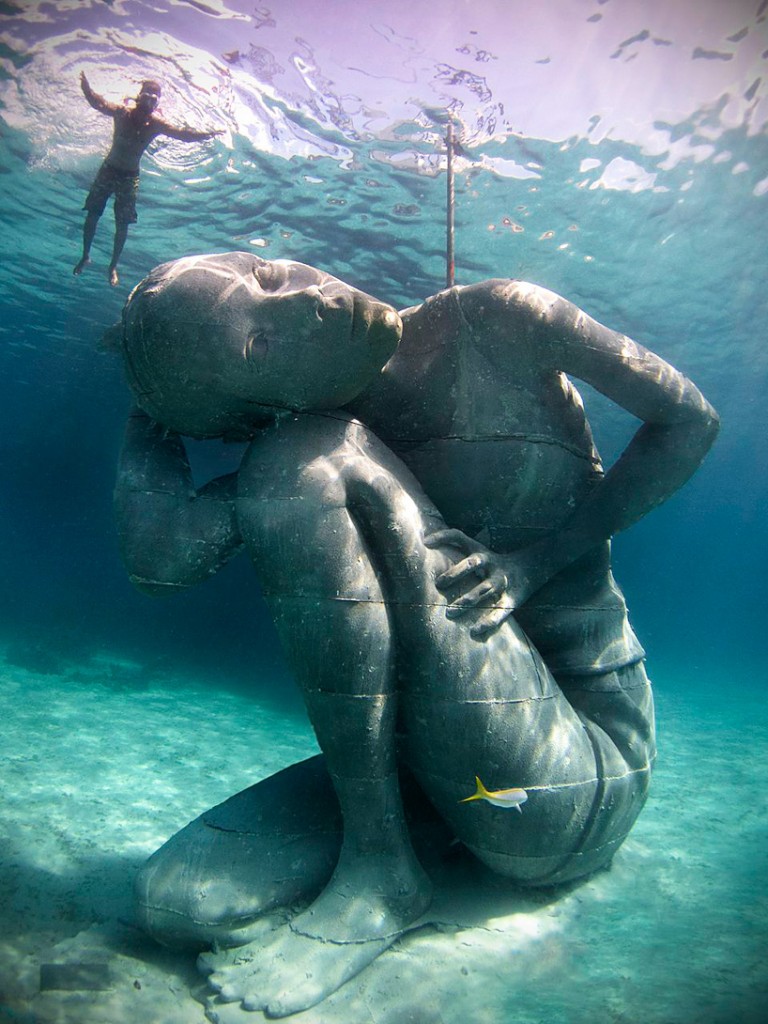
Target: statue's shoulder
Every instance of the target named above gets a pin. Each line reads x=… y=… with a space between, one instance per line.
x=515 y=297
x=502 y=319
x=509 y=297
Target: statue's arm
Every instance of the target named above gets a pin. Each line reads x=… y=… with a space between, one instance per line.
x=545 y=334
x=678 y=424
x=171 y=536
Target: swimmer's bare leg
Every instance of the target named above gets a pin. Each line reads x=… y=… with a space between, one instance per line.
x=334 y=622
x=89 y=230
x=121 y=233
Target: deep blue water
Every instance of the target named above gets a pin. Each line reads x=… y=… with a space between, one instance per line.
x=668 y=246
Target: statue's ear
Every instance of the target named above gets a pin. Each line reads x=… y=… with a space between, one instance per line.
x=112 y=338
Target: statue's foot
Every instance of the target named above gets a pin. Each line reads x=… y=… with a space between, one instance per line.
x=356 y=917
x=79 y=266
x=112 y=275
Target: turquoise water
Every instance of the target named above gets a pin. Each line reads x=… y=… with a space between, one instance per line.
x=617 y=156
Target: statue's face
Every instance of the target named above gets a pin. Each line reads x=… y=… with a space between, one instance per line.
x=216 y=345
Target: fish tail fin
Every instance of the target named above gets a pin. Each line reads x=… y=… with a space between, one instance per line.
x=480 y=793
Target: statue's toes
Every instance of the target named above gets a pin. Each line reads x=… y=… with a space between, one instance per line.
x=228 y=985
x=241 y=984
x=207 y=963
x=293 y=998
x=222 y=961
x=219 y=982
x=256 y=1002
x=232 y=992
x=280 y=1007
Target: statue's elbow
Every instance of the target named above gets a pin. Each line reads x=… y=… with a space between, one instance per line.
x=713 y=424
x=707 y=428
x=151 y=568
x=697 y=428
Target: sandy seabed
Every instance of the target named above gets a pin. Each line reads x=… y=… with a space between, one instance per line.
x=100 y=765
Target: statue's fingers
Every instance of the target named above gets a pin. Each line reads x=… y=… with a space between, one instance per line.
x=450 y=539
x=493 y=587
x=490 y=621
x=483 y=592
x=474 y=565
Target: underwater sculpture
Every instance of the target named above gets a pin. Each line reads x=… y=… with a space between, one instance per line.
x=430 y=523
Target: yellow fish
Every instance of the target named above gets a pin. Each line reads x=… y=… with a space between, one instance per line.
x=498 y=797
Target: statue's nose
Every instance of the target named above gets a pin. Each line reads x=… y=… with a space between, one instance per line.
x=385 y=326
x=373 y=322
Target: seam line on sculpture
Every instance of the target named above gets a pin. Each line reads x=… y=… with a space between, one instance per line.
x=344 y=942
x=161 y=490
x=157 y=583
x=235 y=922
x=629 y=691
x=378 y=600
x=432 y=700
x=528 y=789
x=351 y=696
x=608 y=609
x=571 y=785
x=565 y=857
x=285 y=838
x=576 y=607
x=490 y=438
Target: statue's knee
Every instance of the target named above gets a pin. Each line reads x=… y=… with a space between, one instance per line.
x=295 y=459
x=302 y=438
x=168 y=903
x=184 y=896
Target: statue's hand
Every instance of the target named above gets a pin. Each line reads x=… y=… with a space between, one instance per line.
x=479 y=580
x=505 y=581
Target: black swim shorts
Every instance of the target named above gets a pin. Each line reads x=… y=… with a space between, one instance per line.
x=125 y=187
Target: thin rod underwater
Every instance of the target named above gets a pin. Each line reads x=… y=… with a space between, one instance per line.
x=450 y=266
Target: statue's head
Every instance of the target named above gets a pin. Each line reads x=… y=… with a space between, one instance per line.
x=218 y=345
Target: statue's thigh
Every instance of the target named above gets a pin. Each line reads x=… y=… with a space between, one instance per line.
x=269 y=847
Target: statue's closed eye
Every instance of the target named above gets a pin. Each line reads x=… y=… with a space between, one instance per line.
x=256 y=348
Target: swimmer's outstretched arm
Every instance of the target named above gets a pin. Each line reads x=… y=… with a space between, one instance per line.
x=171 y=536
x=96 y=101
x=183 y=134
x=679 y=426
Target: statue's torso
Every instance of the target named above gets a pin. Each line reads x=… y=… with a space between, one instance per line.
x=500 y=445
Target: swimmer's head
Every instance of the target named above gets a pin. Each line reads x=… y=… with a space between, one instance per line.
x=149 y=94
x=219 y=345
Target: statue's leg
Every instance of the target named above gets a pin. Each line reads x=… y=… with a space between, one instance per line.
x=335 y=525
x=318 y=577
x=617 y=710
x=229 y=876
x=583 y=751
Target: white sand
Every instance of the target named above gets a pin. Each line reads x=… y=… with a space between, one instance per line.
x=99 y=767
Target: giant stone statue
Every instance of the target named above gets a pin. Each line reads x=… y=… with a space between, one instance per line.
x=430 y=521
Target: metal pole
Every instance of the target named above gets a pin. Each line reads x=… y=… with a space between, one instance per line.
x=450 y=268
